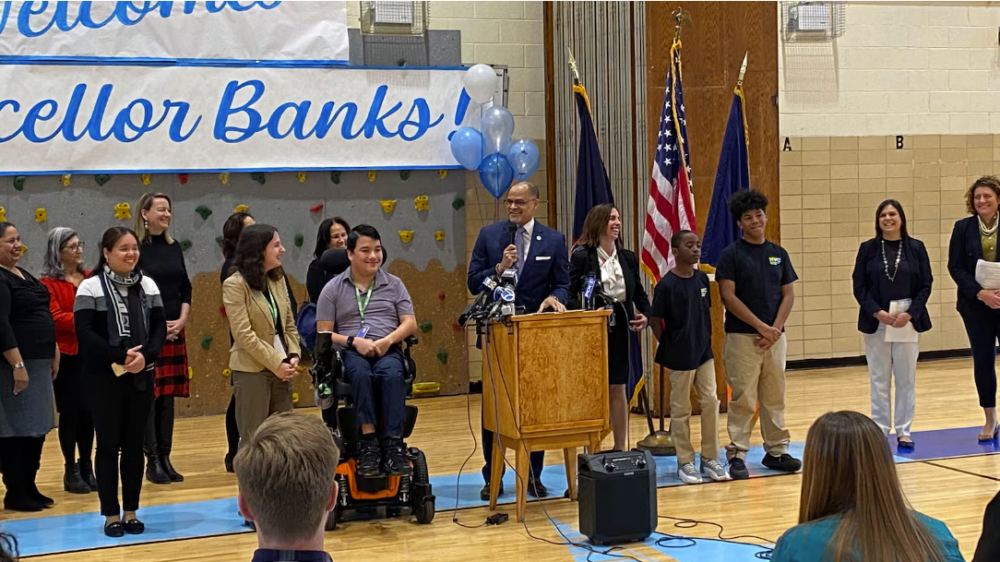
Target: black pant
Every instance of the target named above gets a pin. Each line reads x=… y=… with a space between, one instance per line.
x=232 y=430
x=20 y=458
x=982 y=325
x=537 y=458
x=382 y=376
x=76 y=428
x=121 y=413
x=159 y=438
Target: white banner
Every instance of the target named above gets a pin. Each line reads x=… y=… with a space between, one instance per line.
x=112 y=119
x=220 y=31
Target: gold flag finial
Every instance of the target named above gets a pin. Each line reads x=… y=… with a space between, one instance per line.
x=572 y=67
x=743 y=69
x=682 y=18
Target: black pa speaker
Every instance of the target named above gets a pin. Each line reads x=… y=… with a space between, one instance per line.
x=617 y=496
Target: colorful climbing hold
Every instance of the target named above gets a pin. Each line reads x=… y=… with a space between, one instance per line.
x=24 y=248
x=226 y=373
x=258 y=177
x=204 y=211
x=222 y=310
x=458 y=203
x=183 y=178
x=102 y=179
x=426 y=327
x=441 y=296
x=185 y=245
x=302 y=177
x=421 y=203
x=123 y=211
x=457 y=327
x=299 y=240
x=316 y=208
x=300 y=369
x=66 y=179
x=3 y=214
x=206 y=341
x=443 y=173
x=388 y=205
x=404 y=175
x=19 y=182
x=442 y=356
x=224 y=178
x=439 y=235
x=41 y=215
x=220 y=240
x=295 y=398
x=241 y=209
x=406 y=236
x=371 y=175
x=146 y=178
x=190 y=373
x=335 y=177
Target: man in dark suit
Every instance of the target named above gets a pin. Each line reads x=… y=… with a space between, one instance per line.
x=539 y=255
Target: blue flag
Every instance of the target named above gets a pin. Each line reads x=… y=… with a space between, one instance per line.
x=593 y=187
x=732 y=175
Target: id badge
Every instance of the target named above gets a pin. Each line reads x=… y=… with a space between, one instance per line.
x=363 y=331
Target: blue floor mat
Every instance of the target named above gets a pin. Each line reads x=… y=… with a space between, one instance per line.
x=944 y=444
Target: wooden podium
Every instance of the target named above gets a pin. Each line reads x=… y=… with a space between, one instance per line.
x=545 y=386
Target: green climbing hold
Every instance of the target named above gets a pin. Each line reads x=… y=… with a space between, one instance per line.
x=258 y=177
x=442 y=356
x=219 y=240
x=206 y=341
x=102 y=179
x=185 y=245
x=19 y=182
x=458 y=203
x=204 y=211
x=426 y=327
x=299 y=240
x=404 y=175
x=335 y=177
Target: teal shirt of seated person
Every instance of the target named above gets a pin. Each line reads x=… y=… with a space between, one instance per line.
x=808 y=542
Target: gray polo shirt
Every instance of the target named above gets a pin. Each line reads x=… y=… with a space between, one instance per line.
x=339 y=303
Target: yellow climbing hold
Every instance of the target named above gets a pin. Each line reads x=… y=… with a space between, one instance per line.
x=405 y=235
x=226 y=372
x=3 y=214
x=371 y=175
x=145 y=179
x=24 y=248
x=41 y=215
x=123 y=211
x=439 y=235
x=295 y=398
x=420 y=203
x=241 y=209
x=302 y=177
x=301 y=368
x=224 y=178
x=388 y=205
x=190 y=373
x=65 y=179
x=443 y=173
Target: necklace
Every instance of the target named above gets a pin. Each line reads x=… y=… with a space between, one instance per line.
x=899 y=253
x=987 y=231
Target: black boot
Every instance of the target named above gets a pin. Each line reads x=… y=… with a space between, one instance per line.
x=73 y=482
x=87 y=473
x=168 y=468
x=155 y=472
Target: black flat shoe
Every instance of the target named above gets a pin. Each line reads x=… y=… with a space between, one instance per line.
x=115 y=530
x=908 y=445
x=536 y=489
x=484 y=494
x=134 y=527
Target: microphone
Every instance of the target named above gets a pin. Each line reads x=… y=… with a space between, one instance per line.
x=588 y=292
x=475 y=310
x=512 y=230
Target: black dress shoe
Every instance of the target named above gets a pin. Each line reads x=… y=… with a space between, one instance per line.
x=134 y=527
x=21 y=503
x=168 y=469
x=115 y=530
x=536 y=489
x=73 y=481
x=484 y=494
x=155 y=472
x=87 y=473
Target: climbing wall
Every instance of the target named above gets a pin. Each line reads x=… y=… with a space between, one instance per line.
x=423 y=233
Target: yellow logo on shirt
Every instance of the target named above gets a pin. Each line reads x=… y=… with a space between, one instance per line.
x=774 y=261
x=704 y=292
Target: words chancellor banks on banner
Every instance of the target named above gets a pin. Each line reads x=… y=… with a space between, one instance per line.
x=111 y=87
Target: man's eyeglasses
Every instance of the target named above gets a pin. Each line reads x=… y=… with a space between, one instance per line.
x=517 y=202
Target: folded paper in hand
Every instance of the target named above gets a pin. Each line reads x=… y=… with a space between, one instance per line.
x=906 y=334
x=988 y=274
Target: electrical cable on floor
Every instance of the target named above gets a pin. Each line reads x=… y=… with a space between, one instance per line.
x=684 y=523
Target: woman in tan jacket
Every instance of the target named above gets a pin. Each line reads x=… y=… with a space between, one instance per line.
x=265 y=352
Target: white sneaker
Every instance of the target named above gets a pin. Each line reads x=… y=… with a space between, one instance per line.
x=713 y=469
x=689 y=474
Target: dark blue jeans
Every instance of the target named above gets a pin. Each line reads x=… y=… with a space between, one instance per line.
x=381 y=375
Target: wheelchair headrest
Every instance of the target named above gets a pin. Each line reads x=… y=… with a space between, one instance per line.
x=335 y=261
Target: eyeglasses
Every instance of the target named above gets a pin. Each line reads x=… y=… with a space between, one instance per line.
x=75 y=247
x=517 y=202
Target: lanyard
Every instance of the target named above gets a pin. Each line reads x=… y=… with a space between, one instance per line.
x=273 y=307
x=363 y=307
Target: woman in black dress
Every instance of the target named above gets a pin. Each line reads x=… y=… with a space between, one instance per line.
x=615 y=270
x=28 y=342
x=332 y=234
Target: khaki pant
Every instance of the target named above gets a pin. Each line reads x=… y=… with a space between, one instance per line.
x=258 y=395
x=756 y=377
x=680 y=412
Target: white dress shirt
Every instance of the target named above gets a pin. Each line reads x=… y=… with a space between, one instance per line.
x=612 y=277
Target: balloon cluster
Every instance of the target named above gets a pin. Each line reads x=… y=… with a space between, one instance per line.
x=490 y=149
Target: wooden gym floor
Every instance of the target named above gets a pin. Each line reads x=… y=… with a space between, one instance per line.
x=953 y=490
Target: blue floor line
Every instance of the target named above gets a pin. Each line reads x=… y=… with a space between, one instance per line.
x=68 y=533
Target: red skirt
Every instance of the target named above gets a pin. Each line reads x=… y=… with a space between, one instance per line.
x=172 y=370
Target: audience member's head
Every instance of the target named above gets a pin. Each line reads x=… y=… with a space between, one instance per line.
x=286 y=477
x=8 y=548
x=848 y=471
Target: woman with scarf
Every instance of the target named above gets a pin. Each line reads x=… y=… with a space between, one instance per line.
x=121 y=328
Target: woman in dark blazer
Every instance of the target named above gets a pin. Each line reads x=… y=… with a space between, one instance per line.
x=973 y=239
x=616 y=275
x=889 y=268
x=332 y=234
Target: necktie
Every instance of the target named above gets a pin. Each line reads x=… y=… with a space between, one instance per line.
x=519 y=245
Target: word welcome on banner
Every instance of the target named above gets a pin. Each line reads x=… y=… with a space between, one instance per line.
x=193 y=32
x=163 y=119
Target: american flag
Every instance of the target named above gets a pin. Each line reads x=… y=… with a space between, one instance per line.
x=671 y=200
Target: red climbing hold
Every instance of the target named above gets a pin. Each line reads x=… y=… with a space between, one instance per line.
x=316 y=208
x=183 y=178
x=440 y=296
x=222 y=310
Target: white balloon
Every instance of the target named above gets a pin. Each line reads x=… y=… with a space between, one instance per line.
x=480 y=82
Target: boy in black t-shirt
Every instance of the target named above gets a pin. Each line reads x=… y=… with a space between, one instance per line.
x=683 y=326
x=755 y=282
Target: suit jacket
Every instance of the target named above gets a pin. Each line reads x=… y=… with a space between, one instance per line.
x=584 y=262
x=964 y=250
x=252 y=328
x=545 y=273
x=868 y=271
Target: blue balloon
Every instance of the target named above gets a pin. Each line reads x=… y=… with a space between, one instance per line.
x=496 y=174
x=497 y=126
x=523 y=157
x=467 y=147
